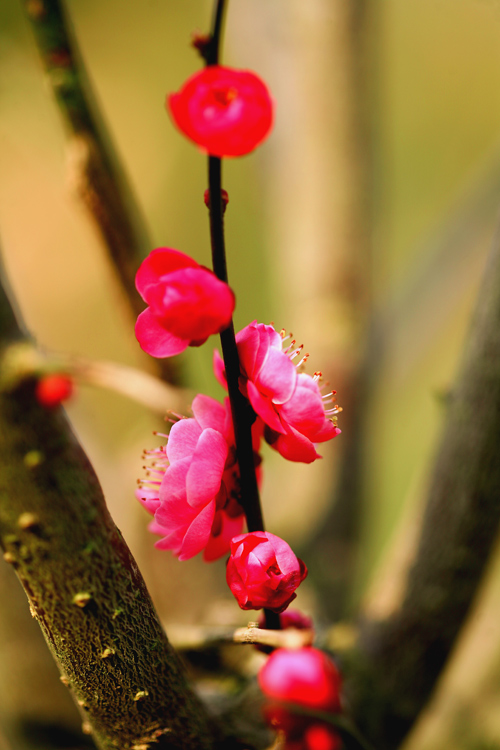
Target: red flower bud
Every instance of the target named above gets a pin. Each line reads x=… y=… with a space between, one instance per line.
x=306 y=676
x=187 y=303
x=226 y=112
x=51 y=390
x=262 y=571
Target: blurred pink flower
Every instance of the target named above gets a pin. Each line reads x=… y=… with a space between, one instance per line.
x=226 y=112
x=309 y=678
x=187 y=303
x=262 y=571
x=193 y=487
x=289 y=402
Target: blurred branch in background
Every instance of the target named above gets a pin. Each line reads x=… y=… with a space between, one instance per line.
x=317 y=191
x=401 y=658
x=95 y=171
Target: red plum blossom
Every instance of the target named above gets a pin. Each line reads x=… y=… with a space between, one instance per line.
x=226 y=112
x=289 y=402
x=262 y=571
x=187 y=303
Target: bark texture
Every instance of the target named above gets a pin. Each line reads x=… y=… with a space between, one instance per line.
x=83 y=586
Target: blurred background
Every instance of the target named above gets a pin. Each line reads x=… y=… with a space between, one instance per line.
x=362 y=226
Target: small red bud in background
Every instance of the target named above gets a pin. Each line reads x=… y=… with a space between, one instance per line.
x=51 y=390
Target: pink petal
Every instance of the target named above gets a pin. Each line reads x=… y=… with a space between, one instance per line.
x=219 y=545
x=198 y=533
x=285 y=557
x=209 y=413
x=219 y=369
x=277 y=376
x=248 y=341
x=148 y=498
x=207 y=466
x=264 y=408
x=183 y=439
x=296 y=447
x=159 y=262
x=304 y=410
x=154 y=339
x=192 y=303
x=173 y=487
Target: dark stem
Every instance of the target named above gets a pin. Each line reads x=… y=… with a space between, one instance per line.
x=212 y=52
x=241 y=411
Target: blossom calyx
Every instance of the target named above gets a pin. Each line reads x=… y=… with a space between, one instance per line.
x=226 y=112
x=262 y=571
x=187 y=303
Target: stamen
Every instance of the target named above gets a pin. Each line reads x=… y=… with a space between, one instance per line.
x=290 y=346
x=293 y=354
x=302 y=361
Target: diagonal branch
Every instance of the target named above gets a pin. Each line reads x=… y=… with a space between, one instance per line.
x=82 y=583
x=402 y=657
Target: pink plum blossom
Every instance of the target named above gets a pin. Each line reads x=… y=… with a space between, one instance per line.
x=193 y=488
x=187 y=303
x=262 y=571
x=289 y=402
x=226 y=112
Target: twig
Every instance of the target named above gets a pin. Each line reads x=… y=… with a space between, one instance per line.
x=290 y=638
x=23 y=360
x=400 y=659
x=94 y=168
x=242 y=413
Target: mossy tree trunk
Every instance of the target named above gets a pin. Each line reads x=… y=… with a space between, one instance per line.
x=82 y=583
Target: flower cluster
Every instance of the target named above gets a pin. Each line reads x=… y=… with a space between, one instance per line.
x=194 y=488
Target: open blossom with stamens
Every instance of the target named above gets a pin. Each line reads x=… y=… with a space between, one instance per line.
x=187 y=303
x=226 y=112
x=193 y=486
x=288 y=401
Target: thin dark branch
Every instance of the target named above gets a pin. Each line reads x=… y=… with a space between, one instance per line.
x=242 y=413
x=213 y=49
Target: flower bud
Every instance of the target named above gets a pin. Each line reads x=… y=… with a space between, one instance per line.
x=262 y=571
x=51 y=390
x=306 y=676
x=226 y=112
